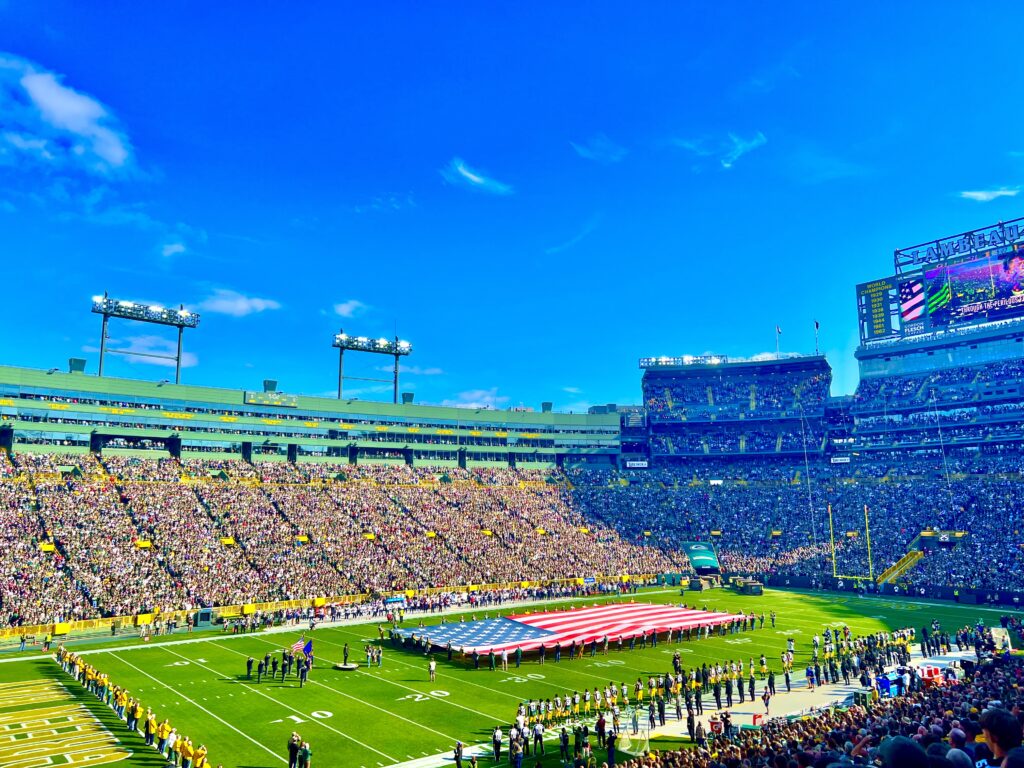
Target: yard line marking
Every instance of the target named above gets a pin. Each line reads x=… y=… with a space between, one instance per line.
x=364 y=703
x=393 y=658
x=406 y=687
x=300 y=712
x=204 y=709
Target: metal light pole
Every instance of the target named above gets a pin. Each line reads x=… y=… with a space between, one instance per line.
x=179 y=318
x=382 y=346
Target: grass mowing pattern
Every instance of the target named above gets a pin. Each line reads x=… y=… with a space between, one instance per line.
x=380 y=716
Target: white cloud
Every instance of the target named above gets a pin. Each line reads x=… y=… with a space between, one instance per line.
x=728 y=150
x=460 y=174
x=477 y=398
x=148 y=345
x=350 y=308
x=172 y=249
x=29 y=145
x=52 y=123
x=235 y=304
x=600 y=149
x=741 y=147
x=572 y=390
x=988 y=195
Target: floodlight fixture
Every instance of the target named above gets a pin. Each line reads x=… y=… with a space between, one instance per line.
x=396 y=347
x=179 y=318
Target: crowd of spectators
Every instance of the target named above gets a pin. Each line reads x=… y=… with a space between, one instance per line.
x=730 y=394
x=84 y=536
x=132 y=534
x=948 y=386
x=972 y=721
x=773 y=518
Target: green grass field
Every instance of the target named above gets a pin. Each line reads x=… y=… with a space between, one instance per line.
x=382 y=716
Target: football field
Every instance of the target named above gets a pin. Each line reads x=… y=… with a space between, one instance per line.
x=381 y=716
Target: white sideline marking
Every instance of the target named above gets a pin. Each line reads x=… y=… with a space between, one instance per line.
x=204 y=709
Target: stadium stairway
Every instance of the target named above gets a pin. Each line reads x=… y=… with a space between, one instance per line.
x=901 y=566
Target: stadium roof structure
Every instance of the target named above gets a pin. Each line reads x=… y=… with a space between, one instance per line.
x=80 y=412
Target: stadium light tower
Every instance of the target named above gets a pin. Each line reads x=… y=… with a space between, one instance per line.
x=179 y=318
x=382 y=346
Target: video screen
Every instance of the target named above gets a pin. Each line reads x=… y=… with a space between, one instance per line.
x=982 y=289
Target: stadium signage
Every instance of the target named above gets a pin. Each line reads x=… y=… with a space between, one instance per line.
x=636 y=465
x=998 y=236
x=279 y=399
x=840 y=459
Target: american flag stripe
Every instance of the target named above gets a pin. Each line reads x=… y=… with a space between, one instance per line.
x=912 y=300
x=633 y=610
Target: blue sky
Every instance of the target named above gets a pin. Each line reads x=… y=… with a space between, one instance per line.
x=536 y=195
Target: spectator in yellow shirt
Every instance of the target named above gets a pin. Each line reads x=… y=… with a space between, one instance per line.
x=162 y=732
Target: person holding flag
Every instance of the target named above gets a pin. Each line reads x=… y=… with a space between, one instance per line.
x=307 y=649
x=304 y=665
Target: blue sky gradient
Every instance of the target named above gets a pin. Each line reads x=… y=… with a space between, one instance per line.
x=535 y=195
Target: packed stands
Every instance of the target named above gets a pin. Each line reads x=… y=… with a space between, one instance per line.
x=751 y=455
x=712 y=406
x=926 y=726
x=134 y=534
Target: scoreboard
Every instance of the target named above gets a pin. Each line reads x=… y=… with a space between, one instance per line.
x=969 y=279
x=877 y=309
x=272 y=398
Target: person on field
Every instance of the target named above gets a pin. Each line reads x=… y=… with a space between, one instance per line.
x=294 y=744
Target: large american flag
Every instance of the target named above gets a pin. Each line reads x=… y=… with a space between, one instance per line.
x=531 y=630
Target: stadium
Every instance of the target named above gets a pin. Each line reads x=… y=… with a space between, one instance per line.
x=737 y=567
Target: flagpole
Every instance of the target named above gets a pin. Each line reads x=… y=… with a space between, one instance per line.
x=815 y=338
x=777 y=333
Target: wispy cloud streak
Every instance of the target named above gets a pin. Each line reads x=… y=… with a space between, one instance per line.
x=459 y=174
